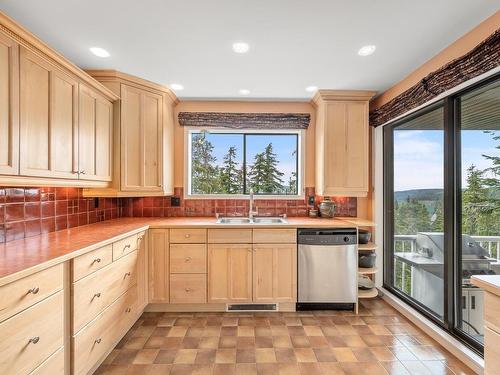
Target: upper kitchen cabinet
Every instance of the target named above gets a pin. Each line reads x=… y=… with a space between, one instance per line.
x=342 y=142
x=55 y=120
x=143 y=136
x=9 y=103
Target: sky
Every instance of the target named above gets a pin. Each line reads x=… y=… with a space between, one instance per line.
x=418 y=156
x=283 y=147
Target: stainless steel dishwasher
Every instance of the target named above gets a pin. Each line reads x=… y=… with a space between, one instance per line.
x=327 y=268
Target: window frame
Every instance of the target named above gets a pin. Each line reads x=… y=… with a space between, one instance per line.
x=300 y=133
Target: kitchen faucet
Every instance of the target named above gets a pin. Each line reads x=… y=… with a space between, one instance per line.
x=251 y=212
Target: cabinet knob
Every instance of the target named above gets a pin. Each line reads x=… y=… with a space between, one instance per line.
x=82 y=171
x=188 y=259
x=127 y=274
x=34 y=290
x=97 y=295
x=188 y=290
x=187 y=235
x=126 y=247
x=128 y=309
x=98 y=341
x=34 y=340
x=96 y=260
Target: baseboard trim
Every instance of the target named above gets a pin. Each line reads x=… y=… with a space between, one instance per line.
x=205 y=307
x=450 y=343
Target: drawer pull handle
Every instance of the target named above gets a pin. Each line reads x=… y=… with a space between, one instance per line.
x=97 y=295
x=34 y=290
x=126 y=247
x=34 y=340
x=188 y=259
x=128 y=309
x=188 y=290
x=96 y=260
x=187 y=235
x=127 y=274
x=98 y=341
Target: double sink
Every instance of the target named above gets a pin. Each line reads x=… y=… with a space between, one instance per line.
x=254 y=220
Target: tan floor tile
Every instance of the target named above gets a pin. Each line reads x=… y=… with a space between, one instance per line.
x=288 y=369
x=345 y=329
x=208 y=343
x=125 y=357
x=224 y=369
x=155 y=369
x=379 y=329
x=383 y=354
x=245 y=342
x=109 y=359
x=170 y=343
x=344 y=355
x=165 y=357
x=145 y=356
x=305 y=355
x=282 y=342
x=212 y=331
x=245 y=355
x=265 y=355
x=313 y=331
x=395 y=368
x=229 y=331
x=285 y=355
x=310 y=369
x=356 y=368
x=225 y=356
x=354 y=341
x=246 y=331
x=318 y=341
x=279 y=330
x=205 y=356
x=227 y=342
x=267 y=368
x=324 y=355
x=135 y=343
x=364 y=355
x=177 y=331
x=300 y=342
x=187 y=356
x=246 y=369
x=331 y=368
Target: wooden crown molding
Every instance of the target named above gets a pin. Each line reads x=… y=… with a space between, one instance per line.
x=351 y=95
x=113 y=75
x=37 y=46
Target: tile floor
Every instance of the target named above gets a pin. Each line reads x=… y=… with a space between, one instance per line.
x=377 y=341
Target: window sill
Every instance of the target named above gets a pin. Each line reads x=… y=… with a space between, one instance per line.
x=244 y=196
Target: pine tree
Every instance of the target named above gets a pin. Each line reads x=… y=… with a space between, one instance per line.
x=292 y=183
x=411 y=216
x=264 y=175
x=204 y=174
x=231 y=177
x=476 y=206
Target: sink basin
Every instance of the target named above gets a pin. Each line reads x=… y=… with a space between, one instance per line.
x=269 y=220
x=246 y=220
x=233 y=220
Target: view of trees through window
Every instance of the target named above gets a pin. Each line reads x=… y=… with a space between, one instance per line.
x=234 y=163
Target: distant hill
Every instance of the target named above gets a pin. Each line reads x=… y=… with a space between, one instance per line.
x=419 y=194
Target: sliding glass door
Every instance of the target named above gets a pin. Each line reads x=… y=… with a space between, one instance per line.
x=442 y=207
x=479 y=200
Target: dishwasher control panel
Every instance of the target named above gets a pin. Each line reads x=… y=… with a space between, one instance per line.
x=340 y=236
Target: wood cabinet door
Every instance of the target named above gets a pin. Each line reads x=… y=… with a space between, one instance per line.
x=9 y=106
x=142 y=271
x=275 y=273
x=357 y=147
x=95 y=135
x=141 y=139
x=229 y=273
x=152 y=129
x=48 y=119
x=158 y=265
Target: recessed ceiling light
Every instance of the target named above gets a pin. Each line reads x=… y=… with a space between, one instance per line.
x=311 y=88
x=241 y=47
x=176 y=87
x=367 y=50
x=244 y=92
x=98 y=51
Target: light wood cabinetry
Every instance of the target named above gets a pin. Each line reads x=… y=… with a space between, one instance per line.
x=229 y=273
x=188 y=235
x=230 y=236
x=54 y=365
x=142 y=271
x=50 y=131
x=275 y=273
x=124 y=246
x=159 y=265
x=188 y=288
x=90 y=262
x=9 y=104
x=143 y=136
x=32 y=336
x=342 y=142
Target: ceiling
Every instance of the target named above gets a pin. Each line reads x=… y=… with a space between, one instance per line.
x=293 y=43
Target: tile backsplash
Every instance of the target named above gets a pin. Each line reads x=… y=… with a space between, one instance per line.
x=161 y=206
x=29 y=211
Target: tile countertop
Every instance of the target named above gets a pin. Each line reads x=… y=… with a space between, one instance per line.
x=490 y=283
x=21 y=258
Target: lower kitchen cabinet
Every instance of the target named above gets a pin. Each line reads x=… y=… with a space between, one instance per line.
x=158 y=265
x=275 y=273
x=229 y=273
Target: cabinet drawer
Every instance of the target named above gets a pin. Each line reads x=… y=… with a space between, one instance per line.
x=188 y=258
x=140 y=238
x=125 y=246
x=491 y=352
x=188 y=288
x=31 y=336
x=230 y=236
x=97 y=338
x=25 y=292
x=54 y=365
x=94 y=293
x=274 y=236
x=95 y=260
x=188 y=235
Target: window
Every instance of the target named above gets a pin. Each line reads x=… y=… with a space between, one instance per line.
x=442 y=207
x=233 y=163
